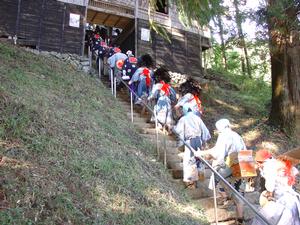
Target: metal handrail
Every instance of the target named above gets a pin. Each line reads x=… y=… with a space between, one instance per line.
x=261 y=217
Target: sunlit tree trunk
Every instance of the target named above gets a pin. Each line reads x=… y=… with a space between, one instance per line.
x=285 y=69
x=238 y=19
x=221 y=34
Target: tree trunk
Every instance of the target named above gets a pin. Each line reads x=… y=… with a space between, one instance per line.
x=285 y=69
x=242 y=42
x=221 y=34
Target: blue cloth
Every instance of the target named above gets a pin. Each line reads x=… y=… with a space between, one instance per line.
x=191 y=126
x=101 y=51
x=192 y=104
x=129 y=67
x=141 y=82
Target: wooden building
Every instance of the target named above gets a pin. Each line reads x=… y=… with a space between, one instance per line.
x=59 y=25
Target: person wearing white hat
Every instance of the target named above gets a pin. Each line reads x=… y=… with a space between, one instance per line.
x=228 y=142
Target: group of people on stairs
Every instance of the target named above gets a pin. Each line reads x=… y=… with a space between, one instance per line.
x=181 y=113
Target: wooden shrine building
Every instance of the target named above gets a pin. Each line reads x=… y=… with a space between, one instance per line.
x=60 y=25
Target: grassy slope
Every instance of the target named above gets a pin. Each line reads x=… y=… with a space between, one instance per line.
x=68 y=157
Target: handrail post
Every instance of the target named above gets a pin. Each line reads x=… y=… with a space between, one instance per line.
x=112 y=81
x=115 y=85
x=99 y=68
x=131 y=105
x=165 y=147
x=89 y=55
x=156 y=132
x=215 y=198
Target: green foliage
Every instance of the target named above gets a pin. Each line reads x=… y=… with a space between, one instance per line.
x=253 y=94
x=200 y=11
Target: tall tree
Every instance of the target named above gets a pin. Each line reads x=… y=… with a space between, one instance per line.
x=219 y=24
x=283 y=29
x=242 y=43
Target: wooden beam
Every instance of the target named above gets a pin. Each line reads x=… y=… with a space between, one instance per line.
x=117 y=21
x=116 y=13
x=92 y=20
x=106 y=18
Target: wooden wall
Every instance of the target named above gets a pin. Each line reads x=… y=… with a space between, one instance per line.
x=43 y=24
x=182 y=55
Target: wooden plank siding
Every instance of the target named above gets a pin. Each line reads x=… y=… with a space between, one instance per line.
x=43 y=24
x=181 y=55
x=8 y=17
x=73 y=37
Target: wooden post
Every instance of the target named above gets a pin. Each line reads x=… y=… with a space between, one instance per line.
x=84 y=27
x=63 y=29
x=18 y=18
x=136 y=13
x=40 y=24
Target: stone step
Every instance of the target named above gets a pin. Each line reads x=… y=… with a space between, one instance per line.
x=141 y=125
x=172 y=160
x=175 y=165
x=127 y=106
x=229 y=222
x=176 y=174
x=136 y=115
x=223 y=214
x=168 y=151
x=138 y=119
x=202 y=190
x=178 y=182
x=161 y=137
x=151 y=130
x=152 y=138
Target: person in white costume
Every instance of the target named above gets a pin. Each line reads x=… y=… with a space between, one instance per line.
x=163 y=96
x=191 y=129
x=280 y=202
x=228 y=142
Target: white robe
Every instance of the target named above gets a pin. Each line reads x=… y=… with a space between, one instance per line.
x=284 y=211
x=188 y=127
x=228 y=142
x=163 y=107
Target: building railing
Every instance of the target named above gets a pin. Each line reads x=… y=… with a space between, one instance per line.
x=120 y=8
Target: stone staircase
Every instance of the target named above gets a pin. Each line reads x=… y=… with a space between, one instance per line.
x=201 y=195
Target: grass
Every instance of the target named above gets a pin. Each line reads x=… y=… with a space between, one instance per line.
x=69 y=156
x=254 y=94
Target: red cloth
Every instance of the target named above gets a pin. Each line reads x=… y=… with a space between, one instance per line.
x=132 y=60
x=288 y=171
x=103 y=44
x=116 y=50
x=146 y=73
x=198 y=101
x=165 y=88
x=120 y=64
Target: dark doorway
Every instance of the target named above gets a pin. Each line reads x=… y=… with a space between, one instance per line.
x=162 y=6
